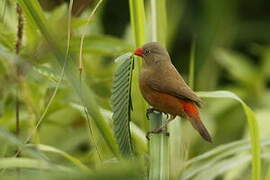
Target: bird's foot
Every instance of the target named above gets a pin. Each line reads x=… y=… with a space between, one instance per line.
x=157 y=131
x=167 y=115
x=151 y=110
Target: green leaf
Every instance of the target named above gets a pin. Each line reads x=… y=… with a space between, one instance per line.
x=11 y=139
x=100 y=44
x=231 y=61
x=47 y=72
x=253 y=128
x=30 y=163
x=121 y=104
x=215 y=151
x=137 y=133
x=74 y=160
x=207 y=160
x=6 y=37
x=222 y=166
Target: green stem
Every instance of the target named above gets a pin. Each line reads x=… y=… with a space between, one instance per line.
x=159 y=143
x=154 y=147
x=160 y=17
x=267 y=177
x=137 y=17
x=192 y=65
x=18 y=69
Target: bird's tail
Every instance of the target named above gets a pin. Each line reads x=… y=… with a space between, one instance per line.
x=194 y=117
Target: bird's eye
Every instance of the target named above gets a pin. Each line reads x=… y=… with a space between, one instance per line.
x=146 y=52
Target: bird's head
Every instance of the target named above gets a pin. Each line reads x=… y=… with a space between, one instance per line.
x=152 y=53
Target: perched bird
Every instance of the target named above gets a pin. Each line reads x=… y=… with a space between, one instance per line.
x=166 y=91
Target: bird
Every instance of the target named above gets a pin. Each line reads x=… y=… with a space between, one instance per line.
x=165 y=90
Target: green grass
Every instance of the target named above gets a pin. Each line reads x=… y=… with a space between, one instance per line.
x=71 y=129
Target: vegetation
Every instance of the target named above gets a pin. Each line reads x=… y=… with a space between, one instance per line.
x=70 y=104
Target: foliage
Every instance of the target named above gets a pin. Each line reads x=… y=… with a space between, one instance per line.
x=68 y=121
x=122 y=104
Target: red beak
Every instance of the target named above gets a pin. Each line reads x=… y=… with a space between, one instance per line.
x=138 y=52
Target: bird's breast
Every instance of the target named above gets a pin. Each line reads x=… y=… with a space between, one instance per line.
x=161 y=101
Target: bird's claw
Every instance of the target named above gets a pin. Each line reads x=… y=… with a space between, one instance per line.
x=167 y=115
x=157 y=131
x=148 y=111
x=151 y=110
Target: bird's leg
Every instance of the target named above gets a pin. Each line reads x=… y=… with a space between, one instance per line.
x=167 y=122
x=167 y=115
x=150 y=110
x=162 y=128
x=157 y=131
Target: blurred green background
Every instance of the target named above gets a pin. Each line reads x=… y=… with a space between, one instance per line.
x=232 y=53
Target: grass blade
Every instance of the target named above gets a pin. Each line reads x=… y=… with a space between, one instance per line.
x=137 y=18
x=192 y=65
x=11 y=139
x=74 y=160
x=216 y=155
x=253 y=128
x=30 y=163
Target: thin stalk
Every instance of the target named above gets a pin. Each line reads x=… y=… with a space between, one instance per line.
x=83 y=36
x=18 y=73
x=192 y=65
x=61 y=76
x=91 y=135
x=159 y=143
x=18 y=76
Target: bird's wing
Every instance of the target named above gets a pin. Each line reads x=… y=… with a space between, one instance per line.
x=170 y=82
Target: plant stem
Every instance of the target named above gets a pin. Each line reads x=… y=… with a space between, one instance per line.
x=192 y=65
x=159 y=21
x=83 y=36
x=18 y=48
x=159 y=143
x=137 y=18
x=154 y=147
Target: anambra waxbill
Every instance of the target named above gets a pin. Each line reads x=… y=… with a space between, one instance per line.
x=165 y=90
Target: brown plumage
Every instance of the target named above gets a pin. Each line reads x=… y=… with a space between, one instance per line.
x=163 y=88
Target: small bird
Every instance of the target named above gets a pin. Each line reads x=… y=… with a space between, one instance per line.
x=166 y=91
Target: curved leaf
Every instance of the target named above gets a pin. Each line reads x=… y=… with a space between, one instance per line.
x=217 y=155
x=253 y=128
x=30 y=163
x=121 y=103
x=11 y=139
x=74 y=160
x=225 y=165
